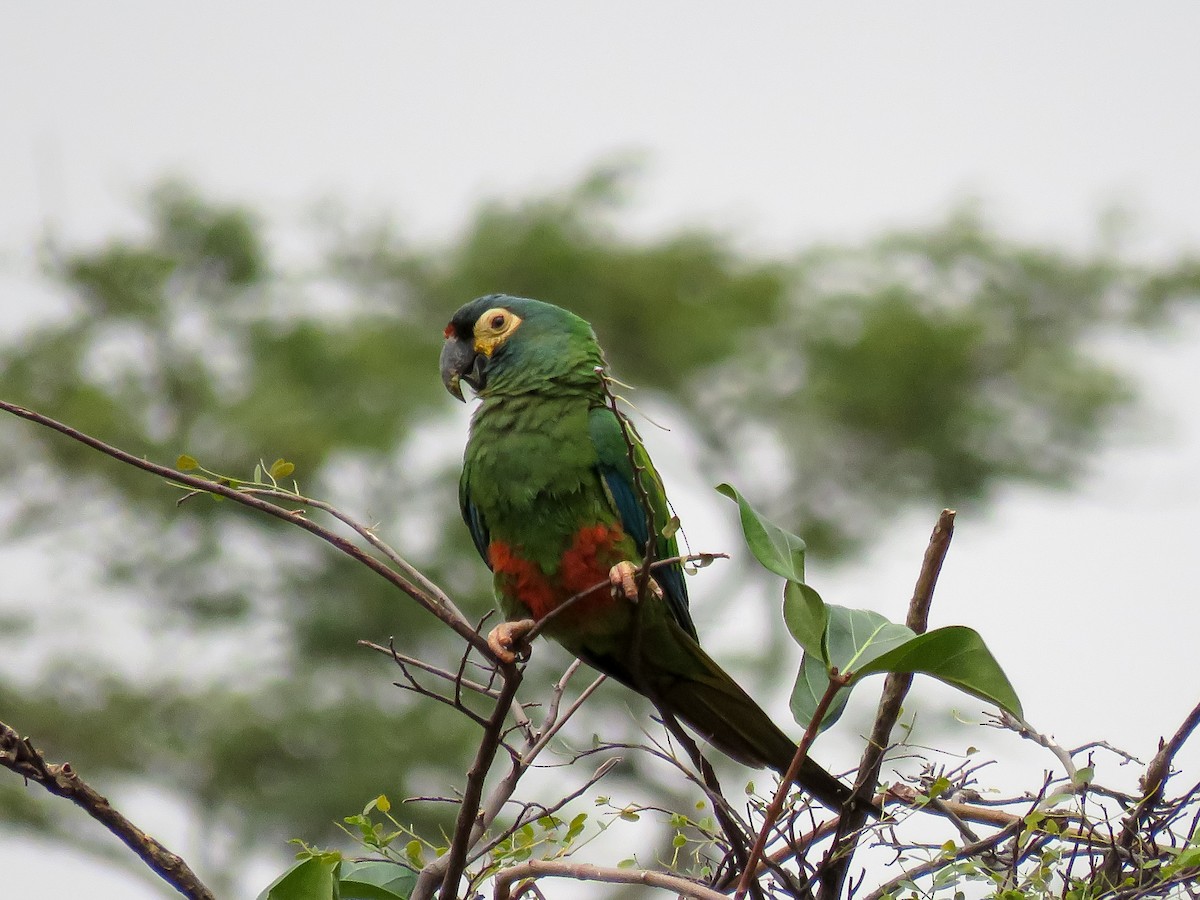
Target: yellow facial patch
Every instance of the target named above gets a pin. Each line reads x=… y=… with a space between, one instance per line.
x=493 y=328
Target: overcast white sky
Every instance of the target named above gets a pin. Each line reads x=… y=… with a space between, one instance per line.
x=786 y=122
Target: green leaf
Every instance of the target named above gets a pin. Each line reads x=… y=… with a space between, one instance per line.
x=853 y=638
x=811 y=682
x=779 y=551
x=806 y=616
x=576 y=827
x=281 y=468
x=375 y=879
x=955 y=655
x=186 y=463
x=312 y=878
x=413 y=852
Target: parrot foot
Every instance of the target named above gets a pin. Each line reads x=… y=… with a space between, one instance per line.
x=507 y=640
x=623 y=578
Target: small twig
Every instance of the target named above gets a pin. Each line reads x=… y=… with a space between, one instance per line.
x=1027 y=731
x=604 y=769
x=503 y=790
x=734 y=832
x=20 y=756
x=895 y=688
x=411 y=572
x=836 y=683
x=542 y=868
x=548 y=733
x=402 y=659
x=943 y=808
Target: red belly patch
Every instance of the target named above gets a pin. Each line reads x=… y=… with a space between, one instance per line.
x=585 y=564
x=589 y=558
x=526 y=581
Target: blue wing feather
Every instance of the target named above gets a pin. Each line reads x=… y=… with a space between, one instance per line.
x=617 y=473
x=475 y=524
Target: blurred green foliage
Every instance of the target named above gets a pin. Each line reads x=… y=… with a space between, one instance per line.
x=926 y=366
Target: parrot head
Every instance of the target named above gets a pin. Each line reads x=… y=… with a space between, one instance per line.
x=501 y=344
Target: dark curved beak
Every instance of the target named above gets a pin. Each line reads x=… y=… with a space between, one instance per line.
x=460 y=362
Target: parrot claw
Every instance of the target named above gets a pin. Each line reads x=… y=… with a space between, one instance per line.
x=507 y=640
x=623 y=578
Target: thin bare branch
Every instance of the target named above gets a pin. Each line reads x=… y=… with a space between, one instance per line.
x=542 y=868
x=447 y=614
x=411 y=572
x=1027 y=731
x=836 y=683
x=403 y=659
x=604 y=769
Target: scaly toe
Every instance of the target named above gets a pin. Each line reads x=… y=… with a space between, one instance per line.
x=506 y=640
x=623 y=578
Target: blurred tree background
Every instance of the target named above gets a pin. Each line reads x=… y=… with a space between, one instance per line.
x=838 y=386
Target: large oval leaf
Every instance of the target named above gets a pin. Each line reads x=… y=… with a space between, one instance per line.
x=806 y=616
x=312 y=878
x=375 y=879
x=811 y=683
x=779 y=551
x=853 y=639
x=955 y=655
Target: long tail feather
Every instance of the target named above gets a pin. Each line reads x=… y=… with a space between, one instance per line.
x=690 y=685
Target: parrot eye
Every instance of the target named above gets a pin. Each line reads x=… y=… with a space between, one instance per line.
x=493 y=328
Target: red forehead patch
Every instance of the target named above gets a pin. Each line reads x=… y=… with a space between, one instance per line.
x=449 y=332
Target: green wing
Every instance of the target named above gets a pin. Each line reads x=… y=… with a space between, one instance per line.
x=617 y=472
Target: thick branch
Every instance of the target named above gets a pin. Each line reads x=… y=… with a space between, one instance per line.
x=19 y=755
x=1153 y=783
x=468 y=810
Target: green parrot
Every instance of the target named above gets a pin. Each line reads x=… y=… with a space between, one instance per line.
x=549 y=495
